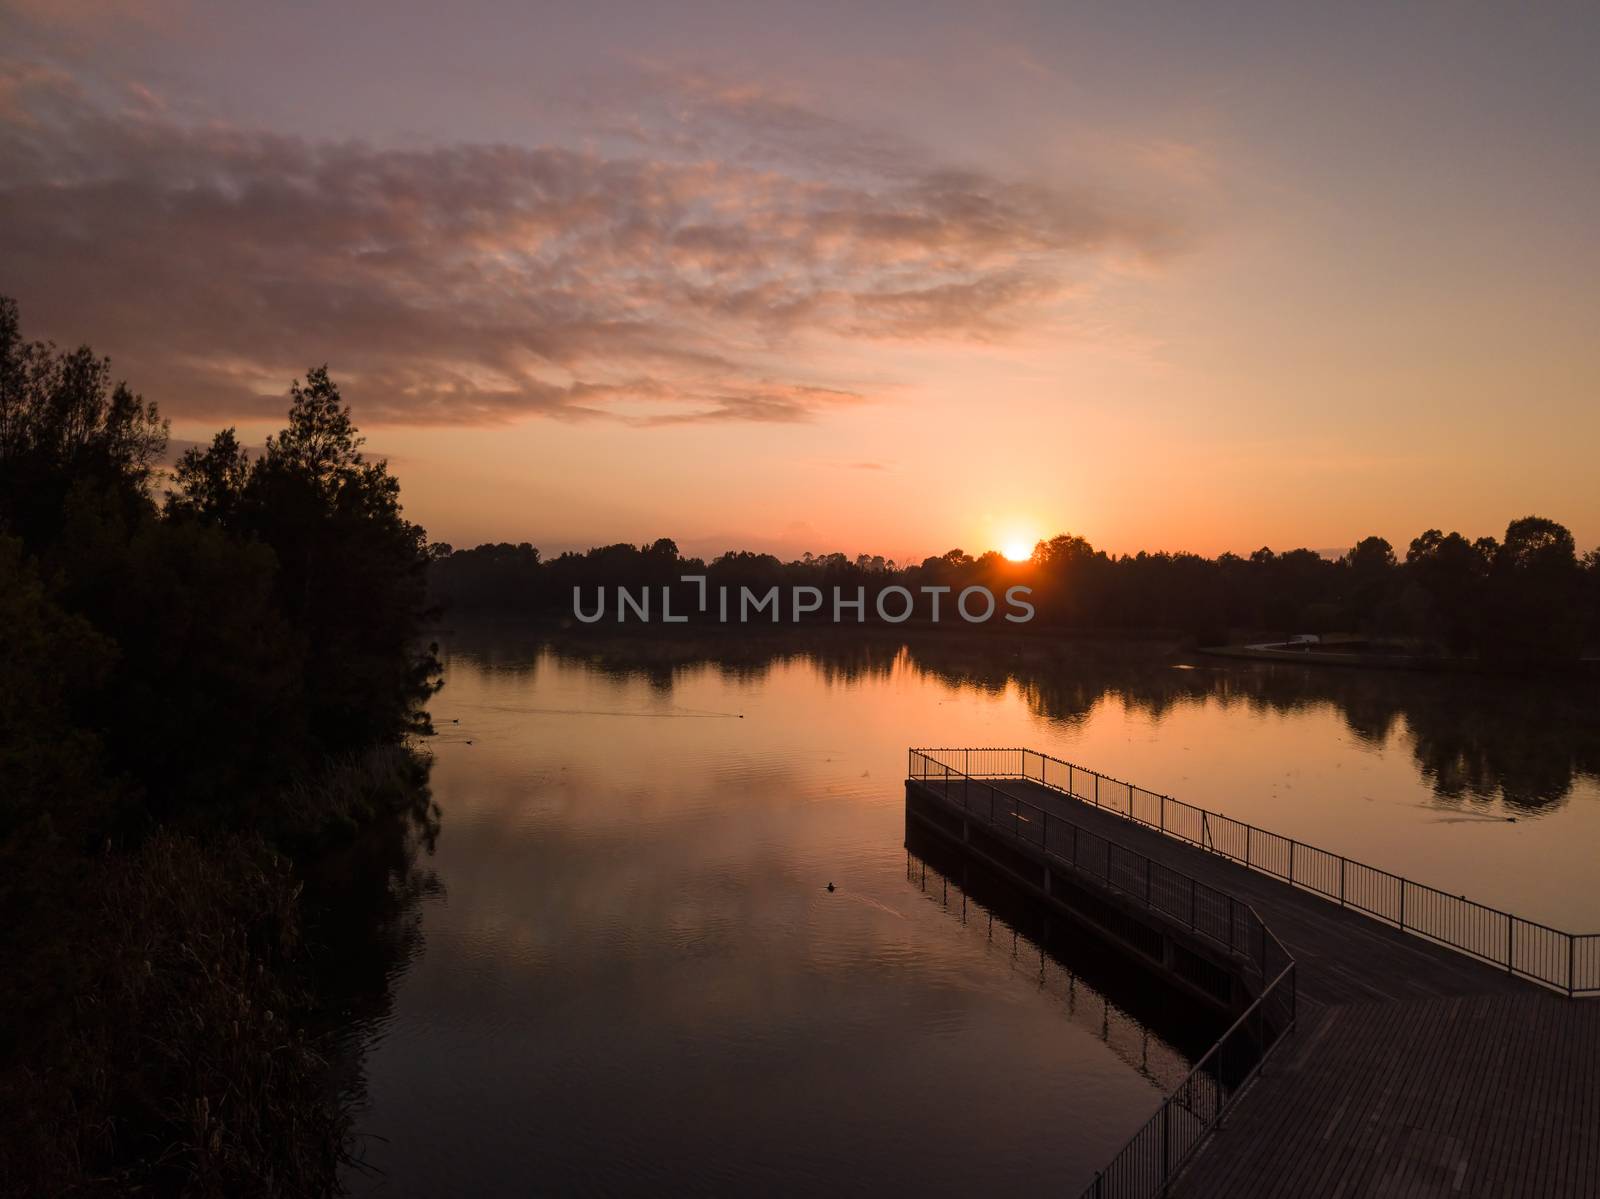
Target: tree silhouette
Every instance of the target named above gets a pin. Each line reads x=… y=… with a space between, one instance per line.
x=65 y=426
x=1439 y=600
x=1535 y=593
x=210 y=483
x=351 y=569
x=188 y=694
x=1451 y=573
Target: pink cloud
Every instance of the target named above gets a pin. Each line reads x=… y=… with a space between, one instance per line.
x=476 y=283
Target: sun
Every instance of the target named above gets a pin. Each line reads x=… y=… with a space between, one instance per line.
x=1018 y=549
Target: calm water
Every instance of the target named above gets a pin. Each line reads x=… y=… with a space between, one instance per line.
x=631 y=978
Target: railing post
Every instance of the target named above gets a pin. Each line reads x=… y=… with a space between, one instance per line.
x=1341 y=880
x=1166 y=1150
x=1163 y=813
x=1511 y=942
x=1291 y=859
x=1572 y=963
x=1097 y=790
x=1247 y=830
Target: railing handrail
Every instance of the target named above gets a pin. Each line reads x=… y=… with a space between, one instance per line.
x=1500 y=953
x=1018 y=801
x=1272 y=989
x=1287 y=972
x=1169 y=1168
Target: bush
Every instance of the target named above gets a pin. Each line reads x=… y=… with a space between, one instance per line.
x=178 y=1067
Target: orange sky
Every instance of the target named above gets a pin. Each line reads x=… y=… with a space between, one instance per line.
x=797 y=278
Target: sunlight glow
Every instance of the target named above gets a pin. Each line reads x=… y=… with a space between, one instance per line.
x=1018 y=549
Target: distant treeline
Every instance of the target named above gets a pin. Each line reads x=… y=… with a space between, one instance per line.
x=199 y=694
x=1526 y=598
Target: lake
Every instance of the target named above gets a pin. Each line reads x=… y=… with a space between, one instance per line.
x=629 y=976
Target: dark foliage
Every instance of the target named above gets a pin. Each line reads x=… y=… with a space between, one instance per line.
x=196 y=703
x=1528 y=600
x=181 y=1069
x=351 y=570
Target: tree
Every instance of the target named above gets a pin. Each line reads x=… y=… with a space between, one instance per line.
x=65 y=426
x=1372 y=577
x=170 y=672
x=1069 y=571
x=1536 y=545
x=53 y=663
x=1535 y=586
x=1296 y=579
x=205 y=710
x=352 y=570
x=210 y=483
x=1591 y=574
x=1451 y=573
x=1371 y=556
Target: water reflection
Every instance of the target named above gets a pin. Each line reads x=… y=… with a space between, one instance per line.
x=635 y=981
x=363 y=905
x=1156 y=1031
x=1524 y=742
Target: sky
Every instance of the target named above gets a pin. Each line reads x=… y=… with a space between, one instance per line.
x=887 y=278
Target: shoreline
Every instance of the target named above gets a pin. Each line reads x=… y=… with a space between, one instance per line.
x=1578 y=667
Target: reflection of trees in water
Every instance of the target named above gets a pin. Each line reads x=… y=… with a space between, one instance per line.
x=740 y=654
x=1531 y=746
x=1474 y=738
x=364 y=926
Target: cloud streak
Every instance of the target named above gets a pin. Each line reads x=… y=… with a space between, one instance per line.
x=672 y=281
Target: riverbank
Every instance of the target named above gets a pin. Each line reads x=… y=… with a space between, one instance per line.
x=1370 y=660
x=166 y=1001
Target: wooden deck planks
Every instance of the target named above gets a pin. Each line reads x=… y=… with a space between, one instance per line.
x=1455 y=1096
x=1416 y=1072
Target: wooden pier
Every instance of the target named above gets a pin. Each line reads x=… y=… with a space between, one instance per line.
x=1412 y=1070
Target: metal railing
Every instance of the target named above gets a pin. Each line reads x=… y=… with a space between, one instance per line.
x=1567 y=962
x=1151 y=1159
x=1146 y=1165
x=1227 y=922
